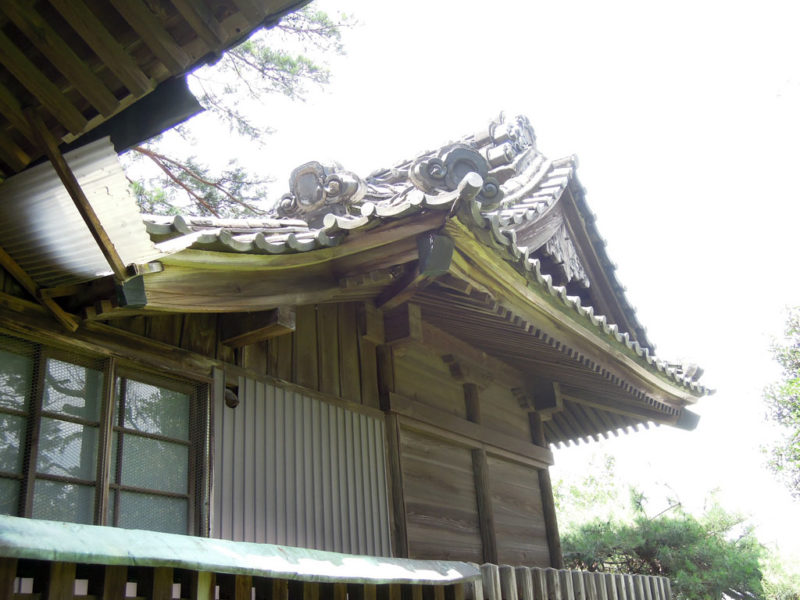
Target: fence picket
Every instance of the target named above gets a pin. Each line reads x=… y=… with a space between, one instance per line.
x=539 y=584
x=508 y=582
x=524 y=583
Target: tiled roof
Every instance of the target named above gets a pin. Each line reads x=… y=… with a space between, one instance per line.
x=504 y=204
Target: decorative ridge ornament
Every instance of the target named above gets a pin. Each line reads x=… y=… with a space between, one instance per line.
x=493 y=153
x=318 y=190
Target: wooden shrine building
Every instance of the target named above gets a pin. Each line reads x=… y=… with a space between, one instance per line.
x=382 y=367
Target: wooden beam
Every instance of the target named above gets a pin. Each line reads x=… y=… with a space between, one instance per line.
x=11 y=154
x=58 y=52
x=548 y=502
x=104 y=45
x=9 y=264
x=39 y=86
x=153 y=34
x=49 y=146
x=11 y=110
x=202 y=21
x=242 y=329
x=445 y=425
x=483 y=495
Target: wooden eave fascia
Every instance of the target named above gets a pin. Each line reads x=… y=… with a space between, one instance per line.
x=485 y=269
x=212 y=281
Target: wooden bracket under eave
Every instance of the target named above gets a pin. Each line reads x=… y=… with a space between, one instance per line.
x=546 y=397
x=242 y=329
x=49 y=146
x=435 y=255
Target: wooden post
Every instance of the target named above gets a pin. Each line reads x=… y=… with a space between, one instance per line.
x=548 y=503
x=339 y=591
x=8 y=572
x=115 y=579
x=156 y=583
x=310 y=591
x=480 y=470
x=397 y=497
x=202 y=585
x=280 y=589
x=104 y=442
x=59 y=583
x=668 y=588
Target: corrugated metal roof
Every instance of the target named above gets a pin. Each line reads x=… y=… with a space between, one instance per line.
x=42 y=230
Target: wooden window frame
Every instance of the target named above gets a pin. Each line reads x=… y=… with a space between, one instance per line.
x=199 y=464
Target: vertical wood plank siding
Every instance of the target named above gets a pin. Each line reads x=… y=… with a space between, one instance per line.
x=294 y=470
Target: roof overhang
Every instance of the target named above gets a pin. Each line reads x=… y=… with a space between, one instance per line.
x=79 y=67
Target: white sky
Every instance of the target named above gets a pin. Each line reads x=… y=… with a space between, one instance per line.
x=684 y=116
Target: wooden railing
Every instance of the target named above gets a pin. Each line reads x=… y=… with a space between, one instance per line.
x=42 y=560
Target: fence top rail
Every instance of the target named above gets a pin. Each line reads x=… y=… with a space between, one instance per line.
x=70 y=542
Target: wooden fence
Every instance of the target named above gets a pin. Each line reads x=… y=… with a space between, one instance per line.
x=525 y=583
x=30 y=580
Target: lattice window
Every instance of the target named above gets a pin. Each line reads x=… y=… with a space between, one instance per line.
x=82 y=441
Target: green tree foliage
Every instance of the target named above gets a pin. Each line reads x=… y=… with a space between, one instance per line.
x=284 y=60
x=783 y=404
x=703 y=557
x=607 y=525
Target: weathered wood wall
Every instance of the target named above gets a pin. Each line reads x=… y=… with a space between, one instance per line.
x=331 y=351
x=294 y=470
x=448 y=447
x=467 y=466
x=439 y=490
x=518 y=518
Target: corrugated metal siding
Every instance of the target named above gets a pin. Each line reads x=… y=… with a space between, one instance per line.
x=43 y=231
x=294 y=470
